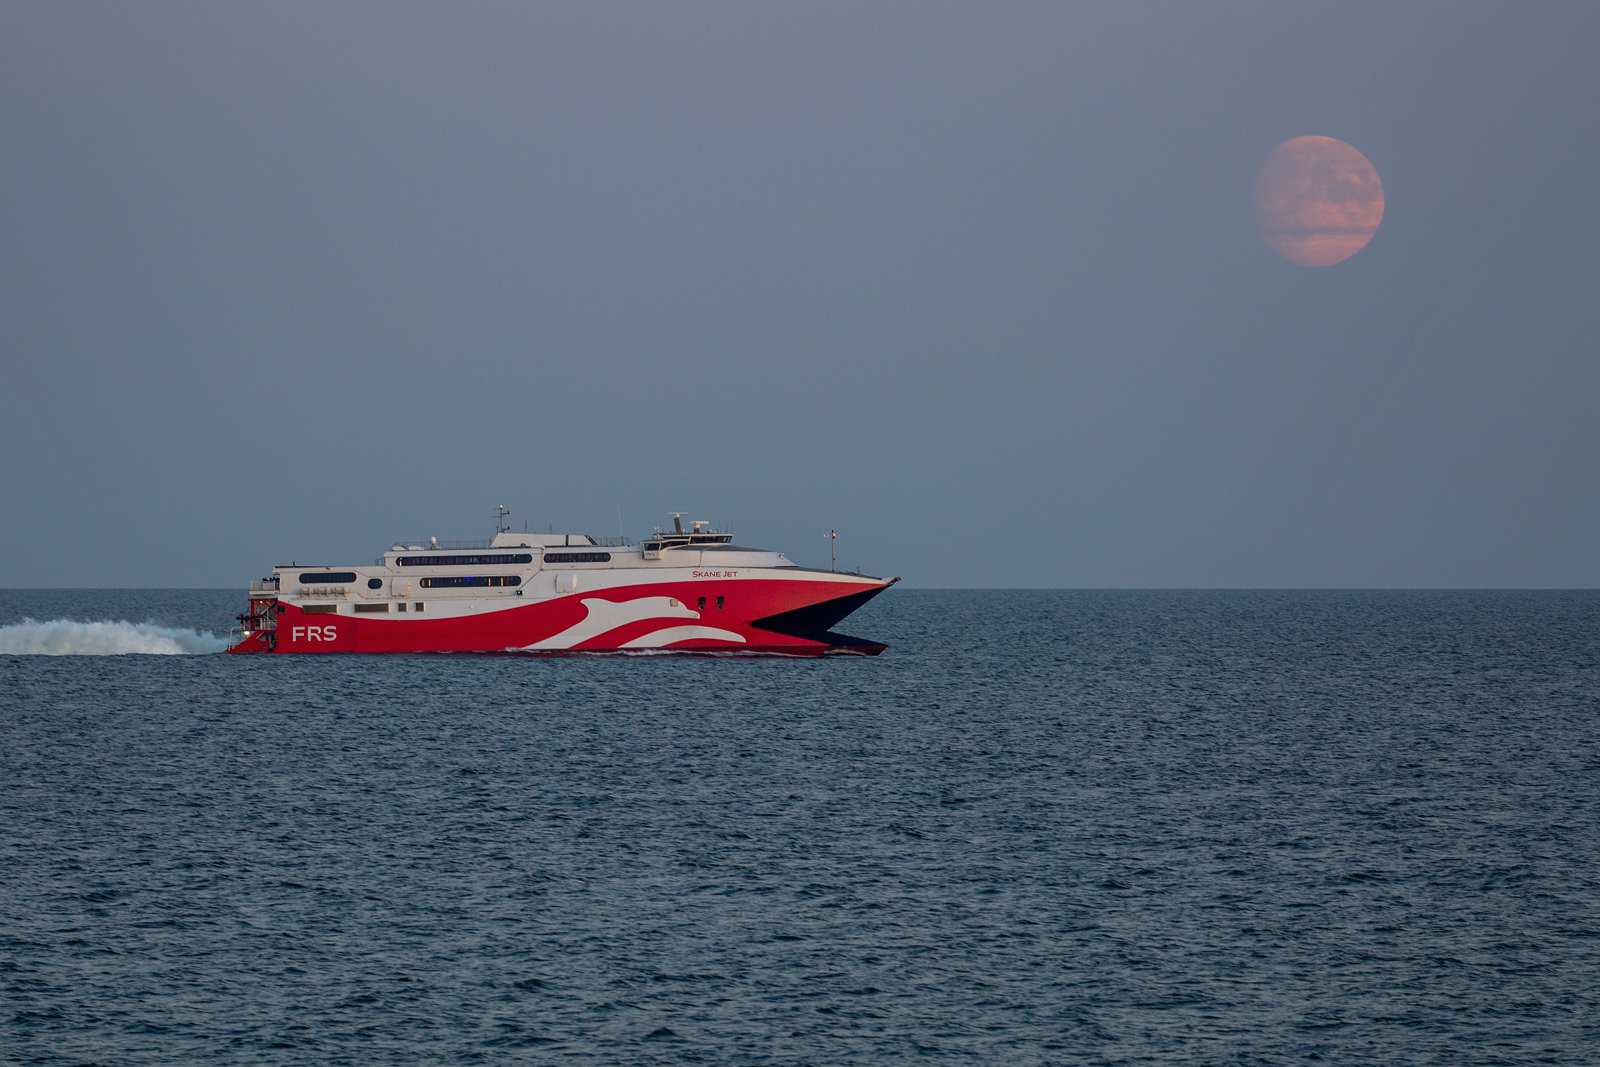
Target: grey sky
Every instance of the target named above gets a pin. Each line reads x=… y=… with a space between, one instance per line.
x=977 y=285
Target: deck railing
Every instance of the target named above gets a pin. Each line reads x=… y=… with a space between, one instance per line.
x=440 y=546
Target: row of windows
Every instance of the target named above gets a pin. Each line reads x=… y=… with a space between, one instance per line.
x=331 y=578
x=346 y=577
x=469 y=583
x=461 y=561
x=372 y=609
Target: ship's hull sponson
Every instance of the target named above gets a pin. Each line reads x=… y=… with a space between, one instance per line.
x=703 y=600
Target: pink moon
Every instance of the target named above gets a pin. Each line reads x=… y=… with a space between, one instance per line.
x=1318 y=201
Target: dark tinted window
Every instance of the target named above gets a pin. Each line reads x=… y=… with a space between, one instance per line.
x=462 y=561
x=468 y=583
x=331 y=578
x=577 y=557
x=374 y=583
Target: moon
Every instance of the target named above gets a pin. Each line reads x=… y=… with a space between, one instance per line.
x=1318 y=201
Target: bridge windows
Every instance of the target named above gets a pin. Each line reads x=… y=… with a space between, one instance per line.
x=329 y=578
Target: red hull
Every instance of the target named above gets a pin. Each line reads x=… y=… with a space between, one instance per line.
x=756 y=617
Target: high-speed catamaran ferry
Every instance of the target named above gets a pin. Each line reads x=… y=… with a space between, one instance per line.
x=688 y=591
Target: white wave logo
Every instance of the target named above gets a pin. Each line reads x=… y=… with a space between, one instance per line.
x=605 y=615
x=63 y=637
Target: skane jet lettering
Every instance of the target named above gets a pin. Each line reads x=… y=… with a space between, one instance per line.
x=715 y=574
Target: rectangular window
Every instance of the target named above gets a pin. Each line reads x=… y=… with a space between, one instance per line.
x=469 y=583
x=461 y=561
x=320 y=609
x=419 y=607
x=401 y=609
x=330 y=578
x=702 y=603
x=719 y=603
x=369 y=609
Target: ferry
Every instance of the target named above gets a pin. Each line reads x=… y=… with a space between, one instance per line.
x=681 y=591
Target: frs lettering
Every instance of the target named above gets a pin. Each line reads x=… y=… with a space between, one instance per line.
x=316 y=633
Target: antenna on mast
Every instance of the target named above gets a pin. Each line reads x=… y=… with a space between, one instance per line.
x=500 y=514
x=832 y=537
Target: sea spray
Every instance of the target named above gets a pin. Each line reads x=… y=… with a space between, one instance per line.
x=65 y=637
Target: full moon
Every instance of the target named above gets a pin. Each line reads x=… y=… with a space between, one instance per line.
x=1318 y=200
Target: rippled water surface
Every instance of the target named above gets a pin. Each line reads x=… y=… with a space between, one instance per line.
x=1044 y=827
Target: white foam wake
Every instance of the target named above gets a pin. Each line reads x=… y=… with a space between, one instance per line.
x=63 y=637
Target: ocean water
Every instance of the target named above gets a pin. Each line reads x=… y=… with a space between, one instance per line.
x=1044 y=827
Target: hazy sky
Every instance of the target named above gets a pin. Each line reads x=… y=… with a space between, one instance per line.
x=978 y=285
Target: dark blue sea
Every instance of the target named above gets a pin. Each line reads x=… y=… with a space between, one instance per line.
x=1043 y=828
